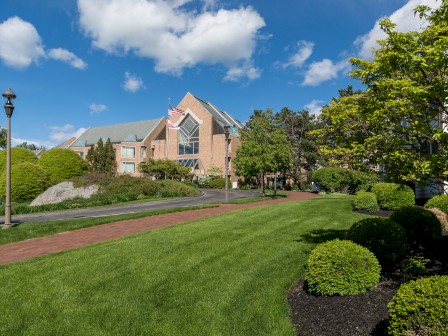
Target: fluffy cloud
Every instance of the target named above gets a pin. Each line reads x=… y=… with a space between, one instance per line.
x=405 y=20
x=305 y=49
x=60 y=134
x=322 y=71
x=170 y=34
x=97 y=108
x=315 y=106
x=67 y=57
x=238 y=72
x=132 y=83
x=21 y=45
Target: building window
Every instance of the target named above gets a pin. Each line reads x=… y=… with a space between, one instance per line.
x=143 y=152
x=127 y=167
x=127 y=152
x=81 y=154
x=188 y=136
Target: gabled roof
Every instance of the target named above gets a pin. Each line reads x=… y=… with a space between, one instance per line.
x=129 y=132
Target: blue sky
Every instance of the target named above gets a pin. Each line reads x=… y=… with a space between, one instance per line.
x=81 y=63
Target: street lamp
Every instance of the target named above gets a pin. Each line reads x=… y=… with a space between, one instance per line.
x=8 y=95
x=227 y=134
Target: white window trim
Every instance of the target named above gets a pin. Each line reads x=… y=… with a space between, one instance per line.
x=123 y=154
x=125 y=163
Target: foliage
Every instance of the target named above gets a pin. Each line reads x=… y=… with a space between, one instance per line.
x=125 y=184
x=392 y=196
x=101 y=158
x=365 y=200
x=421 y=225
x=439 y=202
x=382 y=236
x=398 y=120
x=18 y=155
x=335 y=179
x=28 y=180
x=62 y=164
x=204 y=181
x=164 y=169
x=220 y=183
x=264 y=148
x=420 y=307
x=215 y=172
x=31 y=146
x=341 y=267
x=413 y=266
x=3 y=136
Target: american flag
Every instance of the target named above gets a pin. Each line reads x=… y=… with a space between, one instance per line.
x=174 y=111
x=171 y=125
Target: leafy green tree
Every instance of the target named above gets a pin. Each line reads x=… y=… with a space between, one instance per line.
x=164 y=169
x=90 y=158
x=62 y=164
x=18 y=155
x=28 y=180
x=265 y=147
x=399 y=120
x=31 y=146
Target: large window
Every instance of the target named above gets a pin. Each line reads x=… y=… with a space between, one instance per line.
x=127 y=152
x=189 y=136
x=127 y=167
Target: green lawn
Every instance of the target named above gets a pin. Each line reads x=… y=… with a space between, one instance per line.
x=226 y=275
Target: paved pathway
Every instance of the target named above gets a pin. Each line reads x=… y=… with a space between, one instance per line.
x=66 y=240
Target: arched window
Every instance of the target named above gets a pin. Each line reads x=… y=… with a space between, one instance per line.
x=188 y=136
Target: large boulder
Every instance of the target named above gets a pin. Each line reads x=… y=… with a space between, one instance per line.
x=64 y=191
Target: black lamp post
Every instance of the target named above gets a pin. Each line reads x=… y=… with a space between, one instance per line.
x=9 y=109
x=227 y=134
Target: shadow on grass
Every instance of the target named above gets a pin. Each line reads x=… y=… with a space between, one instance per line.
x=321 y=236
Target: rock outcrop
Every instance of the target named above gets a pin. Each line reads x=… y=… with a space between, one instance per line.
x=64 y=191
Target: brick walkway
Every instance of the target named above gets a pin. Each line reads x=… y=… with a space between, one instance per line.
x=66 y=240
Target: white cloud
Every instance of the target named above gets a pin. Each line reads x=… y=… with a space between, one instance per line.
x=58 y=135
x=238 y=72
x=405 y=20
x=20 y=44
x=305 y=49
x=132 y=83
x=322 y=71
x=67 y=57
x=315 y=106
x=97 y=108
x=168 y=33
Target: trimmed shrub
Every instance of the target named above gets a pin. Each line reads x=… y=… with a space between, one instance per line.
x=420 y=307
x=341 y=267
x=28 y=180
x=392 y=196
x=382 y=236
x=62 y=164
x=220 y=183
x=442 y=217
x=171 y=188
x=362 y=181
x=421 y=225
x=18 y=155
x=365 y=200
x=204 y=181
x=439 y=202
x=332 y=179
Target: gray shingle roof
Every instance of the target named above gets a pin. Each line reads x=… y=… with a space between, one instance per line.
x=131 y=132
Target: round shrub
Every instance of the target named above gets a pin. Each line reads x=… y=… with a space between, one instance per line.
x=421 y=225
x=420 y=307
x=440 y=202
x=62 y=164
x=362 y=180
x=382 y=236
x=220 y=183
x=392 y=196
x=332 y=179
x=341 y=267
x=365 y=200
x=18 y=155
x=28 y=180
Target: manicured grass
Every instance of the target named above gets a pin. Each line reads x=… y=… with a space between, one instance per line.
x=226 y=275
x=41 y=229
x=251 y=199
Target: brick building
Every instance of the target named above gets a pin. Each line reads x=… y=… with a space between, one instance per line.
x=193 y=135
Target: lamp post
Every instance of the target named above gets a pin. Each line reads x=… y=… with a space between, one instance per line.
x=9 y=109
x=227 y=134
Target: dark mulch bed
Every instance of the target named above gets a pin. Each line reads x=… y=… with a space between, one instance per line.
x=366 y=314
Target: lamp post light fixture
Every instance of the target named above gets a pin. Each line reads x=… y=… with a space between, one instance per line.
x=227 y=134
x=8 y=95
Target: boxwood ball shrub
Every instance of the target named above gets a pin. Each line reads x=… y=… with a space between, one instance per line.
x=382 y=236
x=440 y=202
x=421 y=225
x=18 y=155
x=62 y=164
x=420 y=307
x=365 y=200
x=341 y=267
x=28 y=180
x=392 y=196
